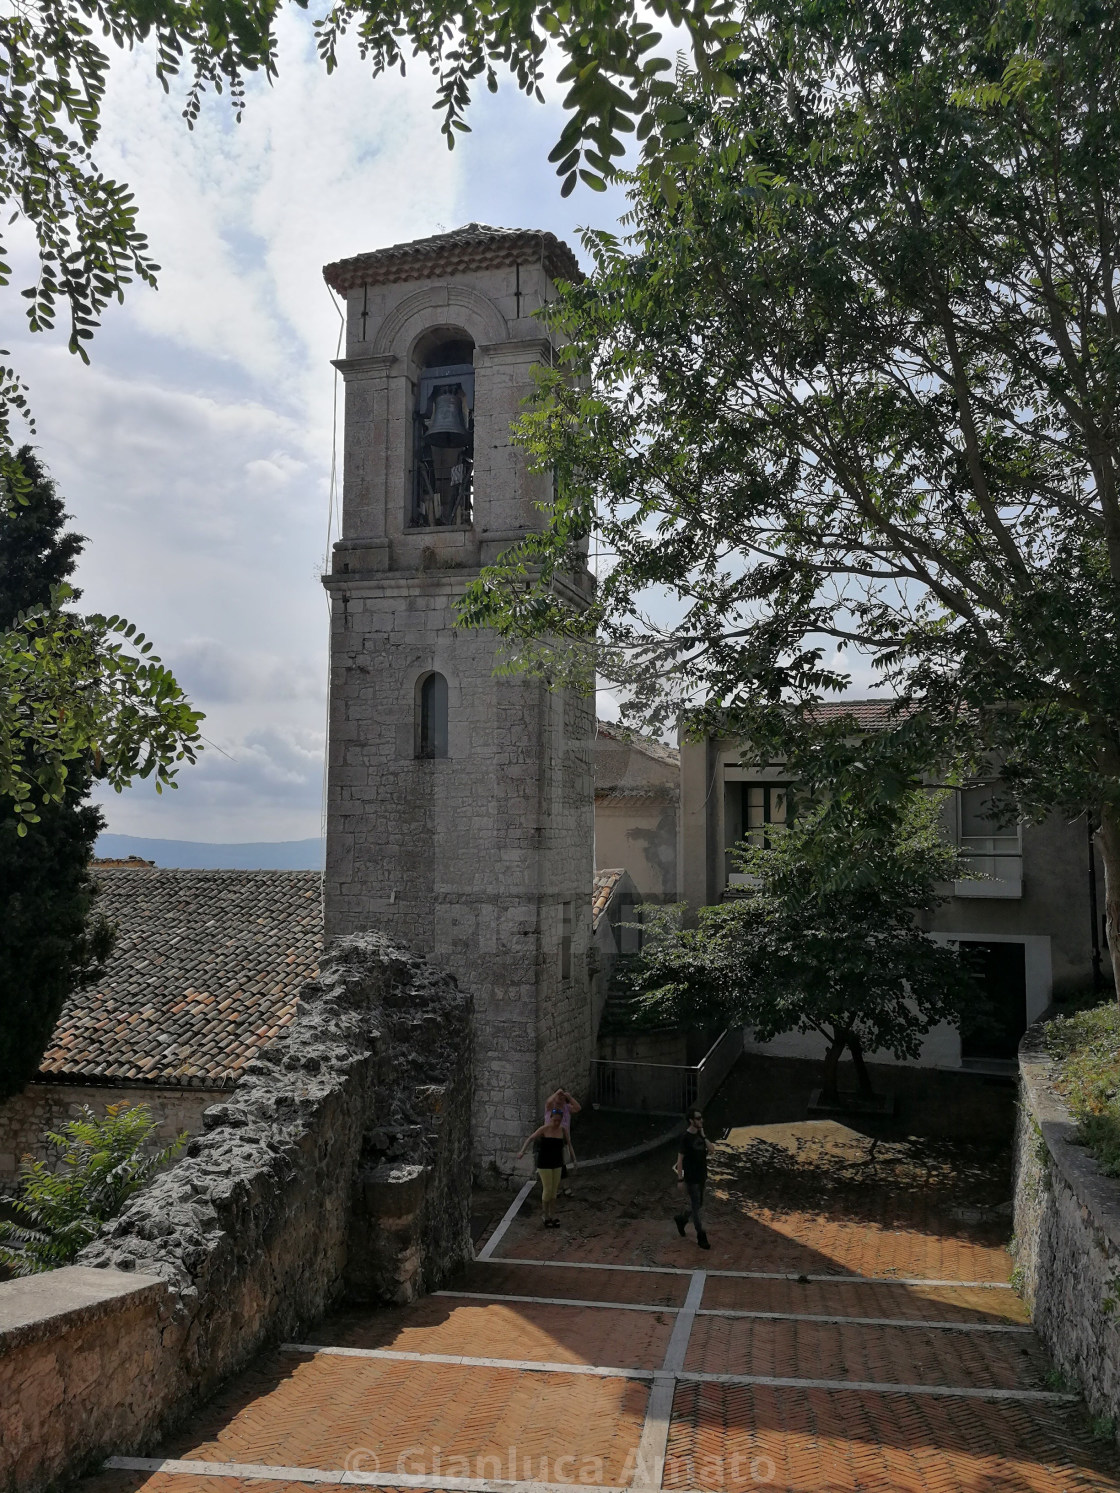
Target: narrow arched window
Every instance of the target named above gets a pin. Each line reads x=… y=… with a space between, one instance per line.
x=432 y=726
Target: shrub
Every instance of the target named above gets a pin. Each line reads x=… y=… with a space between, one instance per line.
x=101 y=1161
x=1087 y=1048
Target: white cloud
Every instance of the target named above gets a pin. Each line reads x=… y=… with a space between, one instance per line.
x=195 y=452
x=214 y=674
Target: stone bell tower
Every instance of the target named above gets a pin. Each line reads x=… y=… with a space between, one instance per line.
x=460 y=804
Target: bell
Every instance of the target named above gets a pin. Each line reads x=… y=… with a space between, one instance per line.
x=447 y=426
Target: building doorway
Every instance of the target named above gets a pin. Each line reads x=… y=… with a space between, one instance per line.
x=1000 y=969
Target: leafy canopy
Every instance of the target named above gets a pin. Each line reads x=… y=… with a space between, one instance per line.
x=99 y=1162
x=71 y=688
x=826 y=940
x=86 y=689
x=856 y=385
x=52 y=938
x=54 y=70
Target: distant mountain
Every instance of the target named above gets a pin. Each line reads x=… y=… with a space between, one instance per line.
x=266 y=855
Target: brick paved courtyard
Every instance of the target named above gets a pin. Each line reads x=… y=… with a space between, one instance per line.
x=852 y=1328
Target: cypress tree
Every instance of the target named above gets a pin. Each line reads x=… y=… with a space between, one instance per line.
x=52 y=940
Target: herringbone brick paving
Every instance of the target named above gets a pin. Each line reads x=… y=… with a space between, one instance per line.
x=301 y=1411
x=437 y=1421
x=585 y=1285
x=880 y=1355
x=821 y=1441
x=870 y=1299
x=561 y=1334
x=800 y=1243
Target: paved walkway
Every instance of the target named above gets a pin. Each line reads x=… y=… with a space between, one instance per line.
x=846 y=1345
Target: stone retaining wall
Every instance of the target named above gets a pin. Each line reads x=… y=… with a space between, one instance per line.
x=47 y=1106
x=1067 y=1237
x=338 y=1165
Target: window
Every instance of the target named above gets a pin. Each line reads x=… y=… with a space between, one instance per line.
x=566 y=941
x=443 y=434
x=763 y=804
x=989 y=847
x=749 y=810
x=431 y=734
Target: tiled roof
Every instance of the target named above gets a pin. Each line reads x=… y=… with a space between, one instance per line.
x=864 y=712
x=602 y=892
x=668 y=755
x=205 y=972
x=475 y=246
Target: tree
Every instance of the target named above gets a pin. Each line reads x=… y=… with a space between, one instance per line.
x=857 y=384
x=78 y=694
x=826 y=941
x=101 y=1161
x=54 y=73
x=52 y=940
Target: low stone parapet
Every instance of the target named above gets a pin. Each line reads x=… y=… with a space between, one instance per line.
x=338 y=1166
x=81 y=1368
x=1067 y=1237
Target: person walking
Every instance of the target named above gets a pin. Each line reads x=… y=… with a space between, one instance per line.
x=568 y=1106
x=550 y=1162
x=692 y=1172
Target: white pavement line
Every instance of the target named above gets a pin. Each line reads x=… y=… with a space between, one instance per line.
x=340 y=1476
x=677 y=1350
x=463 y=1360
x=719 y=1311
x=614 y=1306
x=831 y=1280
x=864 y=1386
x=726 y=1311
x=510 y=1214
x=650 y=1468
x=655 y=1432
x=590 y=1265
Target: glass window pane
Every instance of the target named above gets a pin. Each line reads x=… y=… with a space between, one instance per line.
x=756 y=805
x=433 y=716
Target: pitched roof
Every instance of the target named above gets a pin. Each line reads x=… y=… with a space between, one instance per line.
x=865 y=712
x=205 y=972
x=648 y=745
x=602 y=891
x=474 y=246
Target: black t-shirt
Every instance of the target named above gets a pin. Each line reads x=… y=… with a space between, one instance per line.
x=694 y=1149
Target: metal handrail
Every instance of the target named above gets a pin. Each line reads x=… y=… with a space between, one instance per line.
x=641 y=1063
x=670 y=1087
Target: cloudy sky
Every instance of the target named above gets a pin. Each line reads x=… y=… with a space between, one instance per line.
x=195 y=453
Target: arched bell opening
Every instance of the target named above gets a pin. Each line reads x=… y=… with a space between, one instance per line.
x=443 y=431
x=431 y=716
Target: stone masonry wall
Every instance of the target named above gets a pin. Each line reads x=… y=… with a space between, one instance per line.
x=336 y=1166
x=46 y=1106
x=1067 y=1238
x=473 y=857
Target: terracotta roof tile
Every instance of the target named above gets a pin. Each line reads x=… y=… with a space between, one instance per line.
x=206 y=968
x=474 y=246
x=668 y=755
x=602 y=892
x=864 y=712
